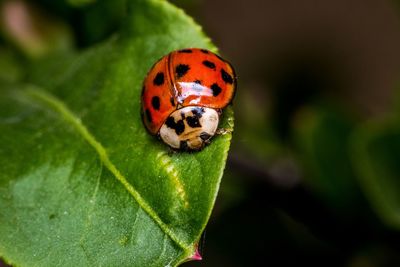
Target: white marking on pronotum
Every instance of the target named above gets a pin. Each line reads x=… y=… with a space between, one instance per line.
x=173 y=173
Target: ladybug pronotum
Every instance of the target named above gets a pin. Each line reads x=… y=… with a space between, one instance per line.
x=183 y=97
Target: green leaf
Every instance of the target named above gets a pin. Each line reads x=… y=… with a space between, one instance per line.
x=82 y=182
x=376 y=156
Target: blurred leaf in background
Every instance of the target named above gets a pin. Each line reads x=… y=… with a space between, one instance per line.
x=376 y=156
x=32 y=30
x=322 y=137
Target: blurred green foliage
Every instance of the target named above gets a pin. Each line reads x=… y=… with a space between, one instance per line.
x=322 y=140
x=376 y=157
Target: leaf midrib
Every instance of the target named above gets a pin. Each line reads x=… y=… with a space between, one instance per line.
x=58 y=106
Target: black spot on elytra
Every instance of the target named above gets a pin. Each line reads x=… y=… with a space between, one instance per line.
x=226 y=77
x=155 y=102
x=172 y=101
x=205 y=136
x=159 y=79
x=216 y=90
x=204 y=51
x=193 y=122
x=209 y=64
x=183 y=145
x=197 y=81
x=185 y=51
x=181 y=70
x=179 y=126
x=148 y=115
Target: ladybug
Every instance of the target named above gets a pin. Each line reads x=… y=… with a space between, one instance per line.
x=183 y=96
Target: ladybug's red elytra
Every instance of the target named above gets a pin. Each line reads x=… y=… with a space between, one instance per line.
x=183 y=96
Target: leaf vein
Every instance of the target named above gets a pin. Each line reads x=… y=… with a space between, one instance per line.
x=70 y=117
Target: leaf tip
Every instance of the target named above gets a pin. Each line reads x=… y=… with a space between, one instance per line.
x=196 y=256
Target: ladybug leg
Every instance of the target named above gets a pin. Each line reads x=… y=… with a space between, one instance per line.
x=171 y=151
x=223 y=131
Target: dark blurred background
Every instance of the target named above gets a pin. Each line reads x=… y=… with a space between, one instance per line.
x=313 y=77
x=313 y=176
